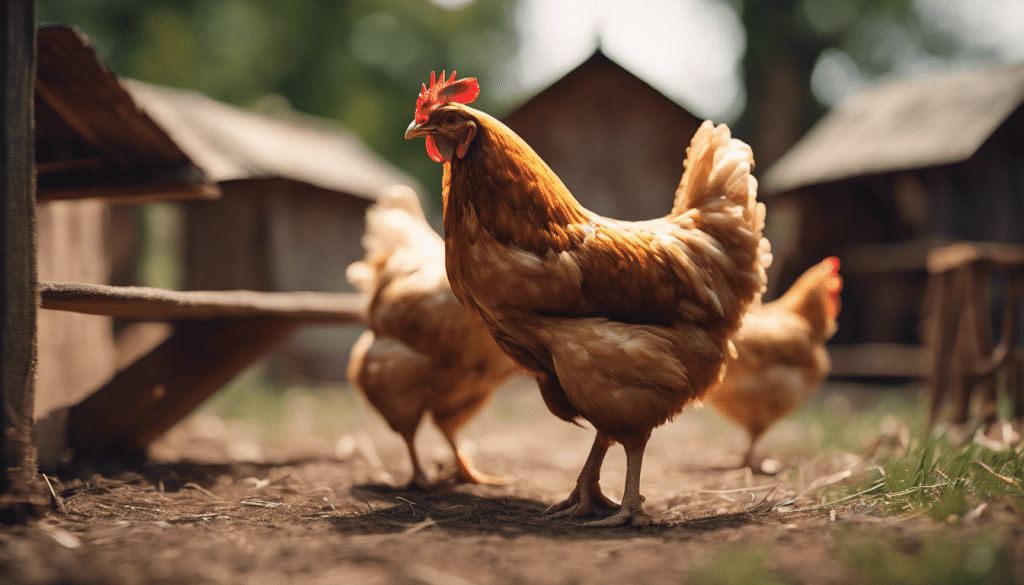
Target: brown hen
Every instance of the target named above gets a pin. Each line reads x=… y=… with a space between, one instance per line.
x=423 y=353
x=621 y=323
x=781 y=358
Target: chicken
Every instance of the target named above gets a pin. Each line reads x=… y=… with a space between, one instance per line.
x=423 y=352
x=781 y=357
x=621 y=323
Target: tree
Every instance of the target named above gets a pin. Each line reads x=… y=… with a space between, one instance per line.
x=355 y=61
x=792 y=42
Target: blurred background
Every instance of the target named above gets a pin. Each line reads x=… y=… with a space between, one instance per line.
x=553 y=70
x=769 y=68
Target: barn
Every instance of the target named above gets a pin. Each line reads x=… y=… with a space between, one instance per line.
x=265 y=205
x=617 y=143
x=890 y=174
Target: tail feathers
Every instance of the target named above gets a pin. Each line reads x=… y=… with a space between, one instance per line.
x=394 y=224
x=716 y=165
x=815 y=295
x=718 y=195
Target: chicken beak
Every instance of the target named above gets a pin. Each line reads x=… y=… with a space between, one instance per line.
x=415 y=130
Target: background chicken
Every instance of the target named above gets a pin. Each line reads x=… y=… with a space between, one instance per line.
x=621 y=323
x=781 y=357
x=423 y=352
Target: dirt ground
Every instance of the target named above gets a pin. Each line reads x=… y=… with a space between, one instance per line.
x=216 y=505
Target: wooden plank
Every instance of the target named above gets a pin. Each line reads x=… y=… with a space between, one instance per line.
x=161 y=388
x=144 y=303
x=20 y=491
x=962 y=253
x=877 y=360
x=134 y=194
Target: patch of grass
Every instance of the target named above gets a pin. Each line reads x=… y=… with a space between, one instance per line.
x=280 y=413
x=930 y=559
x=737 y=566
x=943 y=480
x=844 y=417
x=946 y=481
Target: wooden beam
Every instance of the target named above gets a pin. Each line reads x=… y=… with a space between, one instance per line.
x=20 y=491
x=161 y=388
x=155 y=304
x=877 y=360
x=134 y=194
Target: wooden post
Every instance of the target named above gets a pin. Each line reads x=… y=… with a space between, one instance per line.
x=20 y=493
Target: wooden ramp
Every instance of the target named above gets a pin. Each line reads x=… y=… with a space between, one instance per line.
x=217 y=334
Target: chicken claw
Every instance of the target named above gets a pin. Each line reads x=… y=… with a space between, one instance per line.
x=632 y=509
x=586 y=499
x=466 y=472
x=629 y=514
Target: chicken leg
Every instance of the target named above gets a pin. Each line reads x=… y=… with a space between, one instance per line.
x=632 y=509
x=586 y=498
x=419 y=479
x=465 y=472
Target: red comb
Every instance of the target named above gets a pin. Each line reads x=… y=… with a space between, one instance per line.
x=834 y=283
x=442 y=92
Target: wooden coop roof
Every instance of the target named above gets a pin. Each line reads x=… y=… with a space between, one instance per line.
x=615 y=141
x=918 y=123
x=128 y=141
x=619 y=81
x=232 y=144
x=92 y=140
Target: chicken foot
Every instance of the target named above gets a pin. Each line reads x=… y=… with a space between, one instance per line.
x=586 y=498
x=419 y=479
x=465 y=472
x=632 y=509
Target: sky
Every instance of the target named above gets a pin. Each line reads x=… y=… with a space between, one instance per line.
x=687 y=49
x=690 y=49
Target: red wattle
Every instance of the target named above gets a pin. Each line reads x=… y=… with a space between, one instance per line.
x=432 y=150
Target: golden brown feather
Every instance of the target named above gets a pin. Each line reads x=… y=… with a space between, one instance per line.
x=622 y=323
x=781 y=358
x=423 y=353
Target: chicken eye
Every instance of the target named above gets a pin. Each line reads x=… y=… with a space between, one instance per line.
x=451 y=119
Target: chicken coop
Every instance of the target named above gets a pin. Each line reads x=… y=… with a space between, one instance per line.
x=294 y=193
x=617 y=143
x=888 y=175
x=286 y=213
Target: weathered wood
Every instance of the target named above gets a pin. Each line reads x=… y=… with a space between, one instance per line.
x=160 y=389
x=75 y=351
x=134 y=194
x=877 y=360
x=144 y=303
x=960 y=254
x=94 y=141
x=88 y=97
x=20 y=493
x=615 y=141
x=965 y=363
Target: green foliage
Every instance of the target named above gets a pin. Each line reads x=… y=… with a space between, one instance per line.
x=839 y=425
x=946 y=481
x=933 y=559
x=360 y=62
x=736 y=566
x=278 y=414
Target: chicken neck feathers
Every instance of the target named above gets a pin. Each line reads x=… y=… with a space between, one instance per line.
x=622 y=322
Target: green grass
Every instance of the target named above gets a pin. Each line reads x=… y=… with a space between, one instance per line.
x=737 y=566
x=933 y=558
x=279 y=413
x=944 y=480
